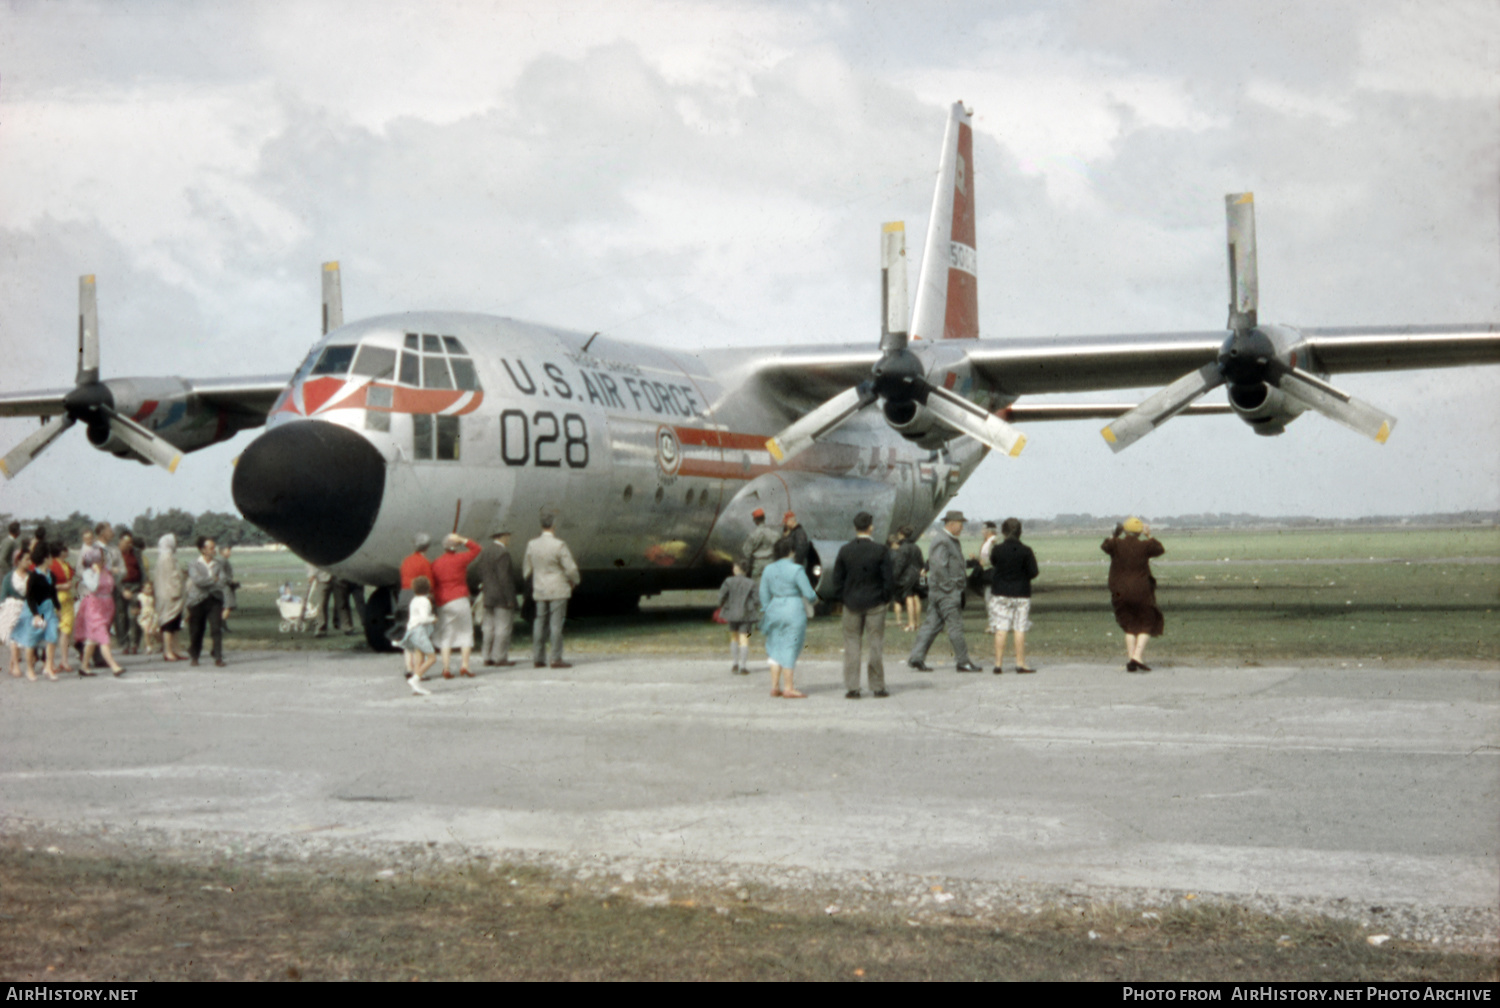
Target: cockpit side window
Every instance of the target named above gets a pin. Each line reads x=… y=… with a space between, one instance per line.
x=334 y=361
x=463 y=373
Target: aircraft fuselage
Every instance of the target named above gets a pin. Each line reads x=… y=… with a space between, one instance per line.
x=652 y=460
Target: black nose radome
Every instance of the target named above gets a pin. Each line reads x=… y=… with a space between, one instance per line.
x=312 y=485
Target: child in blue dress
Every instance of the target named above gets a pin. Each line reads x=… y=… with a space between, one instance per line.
x=420 y=654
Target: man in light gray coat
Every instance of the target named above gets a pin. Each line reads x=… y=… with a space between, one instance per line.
x=554 y=574
x=947 y=576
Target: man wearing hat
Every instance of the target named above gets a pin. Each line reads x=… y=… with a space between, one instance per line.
x=496 y=571
x=794 y=532
x=554 y=574
x=755 y=555
x=947 y=576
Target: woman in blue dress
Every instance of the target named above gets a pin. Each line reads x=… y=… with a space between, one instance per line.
x=784 y=590
x=36 y=630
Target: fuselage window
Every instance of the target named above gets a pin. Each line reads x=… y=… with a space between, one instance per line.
x=435 y=437
x=421 y=436
x=377 y=421
x=335 y=361
x=379 y=397
x=435 y=373
x=411 y=341
x=447 y=438
x=431 y=344
x=375 y=362
x=453 y=345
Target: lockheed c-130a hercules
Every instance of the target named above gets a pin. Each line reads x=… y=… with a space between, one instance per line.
x=656 y=458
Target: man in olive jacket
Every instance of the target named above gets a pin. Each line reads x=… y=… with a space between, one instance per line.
x=863 y=580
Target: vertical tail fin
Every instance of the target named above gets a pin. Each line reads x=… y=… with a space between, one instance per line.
x=947 y=291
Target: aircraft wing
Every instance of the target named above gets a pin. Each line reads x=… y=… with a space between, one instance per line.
x=1046 y=364
x=1081 y=364
x=245 y=396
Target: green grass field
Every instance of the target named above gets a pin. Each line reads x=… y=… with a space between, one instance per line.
x=1228 y=596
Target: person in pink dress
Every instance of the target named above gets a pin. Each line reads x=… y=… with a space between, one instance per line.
x=96 y=611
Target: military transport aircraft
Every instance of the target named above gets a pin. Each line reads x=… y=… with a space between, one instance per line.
x=654 y=459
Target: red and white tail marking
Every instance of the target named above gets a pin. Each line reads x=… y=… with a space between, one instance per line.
x=948 y=291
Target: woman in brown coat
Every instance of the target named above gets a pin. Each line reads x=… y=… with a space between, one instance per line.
x=1132 y=589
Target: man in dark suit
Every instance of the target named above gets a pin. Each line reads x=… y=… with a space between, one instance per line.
x=497 y=578
x=863 y=581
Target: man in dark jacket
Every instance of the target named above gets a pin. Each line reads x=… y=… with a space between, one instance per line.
x=1012 y=569
x=863 y=581
x=793 y=531
x=497 y=578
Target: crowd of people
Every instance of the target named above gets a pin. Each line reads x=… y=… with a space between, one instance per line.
x=53 y=612
x=115 y=600
x=769 y=588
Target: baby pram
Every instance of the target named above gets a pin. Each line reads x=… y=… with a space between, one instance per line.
x=294 y=618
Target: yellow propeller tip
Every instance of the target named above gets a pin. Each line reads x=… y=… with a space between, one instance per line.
x=775 y=450
x=1109 y=435
x=1383 y=433
x=1020 y=443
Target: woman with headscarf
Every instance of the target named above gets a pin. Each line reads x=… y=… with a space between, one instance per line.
x=785 y=594
x=1132 y=589
x=168 y=580
x=37 y=628
x=96 y=610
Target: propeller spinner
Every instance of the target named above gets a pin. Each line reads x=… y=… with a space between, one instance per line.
x=1248 y=360
x=91 y=403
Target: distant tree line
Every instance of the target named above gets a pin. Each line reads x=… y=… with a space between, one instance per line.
x=150 y=526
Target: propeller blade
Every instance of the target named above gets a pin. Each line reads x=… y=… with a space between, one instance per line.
x=895 y=316
x=1161 y=406
x=88 y=332
x=966 y=417
x=333 y=298
x=21 y=455
x=1333 y=403
x=800 y=436
x=1244 y=284
x=142 y=441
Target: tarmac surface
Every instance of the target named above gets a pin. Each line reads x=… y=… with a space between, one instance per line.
x=1376 y=783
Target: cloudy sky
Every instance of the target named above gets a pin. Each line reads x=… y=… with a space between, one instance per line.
x=698 y=174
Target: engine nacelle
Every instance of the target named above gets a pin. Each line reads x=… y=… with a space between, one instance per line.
x=916 y=423
x=165 y=406
x=1264 y=407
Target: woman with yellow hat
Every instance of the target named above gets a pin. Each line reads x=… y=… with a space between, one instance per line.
x=1132 y=589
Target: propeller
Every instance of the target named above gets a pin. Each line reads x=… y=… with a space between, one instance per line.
x=91 y=403
x=1248 y=361
x=898 y=380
